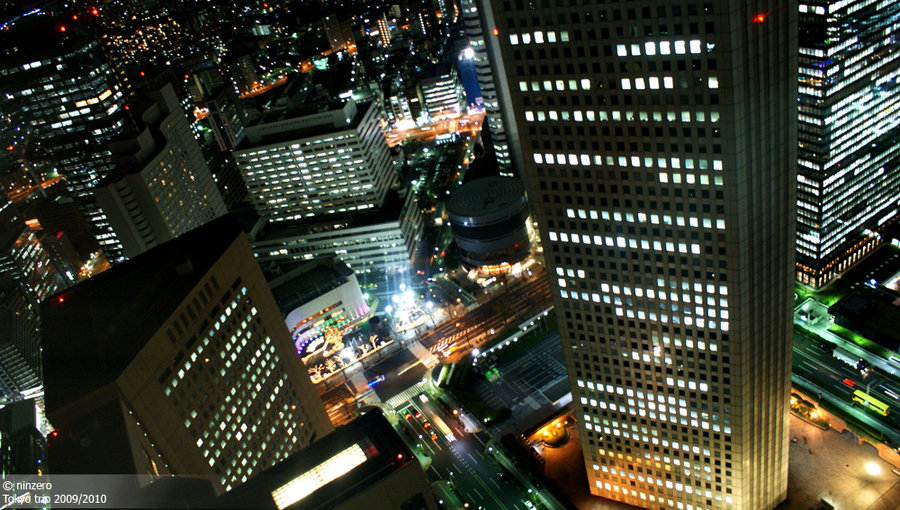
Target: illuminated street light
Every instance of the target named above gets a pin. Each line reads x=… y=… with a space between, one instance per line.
x=873 y=468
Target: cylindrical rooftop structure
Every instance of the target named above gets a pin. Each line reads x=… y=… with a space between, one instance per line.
x=489 y=220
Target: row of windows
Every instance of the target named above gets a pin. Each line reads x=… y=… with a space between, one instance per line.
x=616 y=115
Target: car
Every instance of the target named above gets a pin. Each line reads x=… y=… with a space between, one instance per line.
x=529 y=505
x=433 y=436
x=407 y=415
x=418 y=415
x=426 y=425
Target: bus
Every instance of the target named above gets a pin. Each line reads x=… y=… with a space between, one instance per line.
x=870 y=402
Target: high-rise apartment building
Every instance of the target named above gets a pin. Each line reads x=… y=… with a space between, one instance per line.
x=177 y=361
x=62 y=102
x=384 y=30
x=330 y=159
x=849 y=133
x=336 y=36
x=162 y=186
x=660 y=162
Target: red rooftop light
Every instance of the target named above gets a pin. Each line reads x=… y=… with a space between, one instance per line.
x=62 y=29
x=496 y=32
x=759 y=18
x=94 y=11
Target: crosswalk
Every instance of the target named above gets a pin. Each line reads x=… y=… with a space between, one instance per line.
x=403 y=396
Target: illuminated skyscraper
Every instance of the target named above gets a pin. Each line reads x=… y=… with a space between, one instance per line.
x=61 y=104
x=660 y=161
x=849 y=133
x=162 y=186
x=327 y=159
x=177 y=361
x=478 y=20
x=384 y=30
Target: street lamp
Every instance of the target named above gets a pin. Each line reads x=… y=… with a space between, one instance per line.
x=873 y=468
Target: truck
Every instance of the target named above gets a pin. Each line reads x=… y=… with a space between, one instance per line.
x=846 y=357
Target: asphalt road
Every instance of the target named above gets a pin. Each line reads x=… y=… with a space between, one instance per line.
x=809 y=358
x=460 y=458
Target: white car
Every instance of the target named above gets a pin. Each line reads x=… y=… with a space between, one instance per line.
x=529 y=505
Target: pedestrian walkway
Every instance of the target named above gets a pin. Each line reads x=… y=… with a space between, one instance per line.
x=424 y=355
x=403 y=396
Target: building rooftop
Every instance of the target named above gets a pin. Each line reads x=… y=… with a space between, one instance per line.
x=307 y=281
x=301 y=123
x=93 y=330
x=390 y=211
x=487 y=196
x=369 y=447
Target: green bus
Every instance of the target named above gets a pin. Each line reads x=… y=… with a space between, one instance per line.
x=870 y=402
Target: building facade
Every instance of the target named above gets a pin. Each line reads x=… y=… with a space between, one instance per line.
x=177 y=361
x=376 y=246
x=660 y=163
x=23 y=259
x=64 y=123
x=20 y=356
x=328 y=162
x=478 y=19
x=317 y=296
x=849 y=133
x=442 y=94
x=162 y=186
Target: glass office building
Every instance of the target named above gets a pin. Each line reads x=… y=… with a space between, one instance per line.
x=849 y=121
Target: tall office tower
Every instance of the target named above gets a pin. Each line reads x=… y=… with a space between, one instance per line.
x=176 y=362
x=328 y=159
x=660 y=163
x=489 y=69
x=59 y=90
x=162 y=186
x=849 y=133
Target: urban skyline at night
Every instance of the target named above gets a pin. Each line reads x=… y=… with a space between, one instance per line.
x=450 y=254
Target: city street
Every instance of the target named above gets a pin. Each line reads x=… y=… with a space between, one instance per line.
x=818 y=365
x=475 y=476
